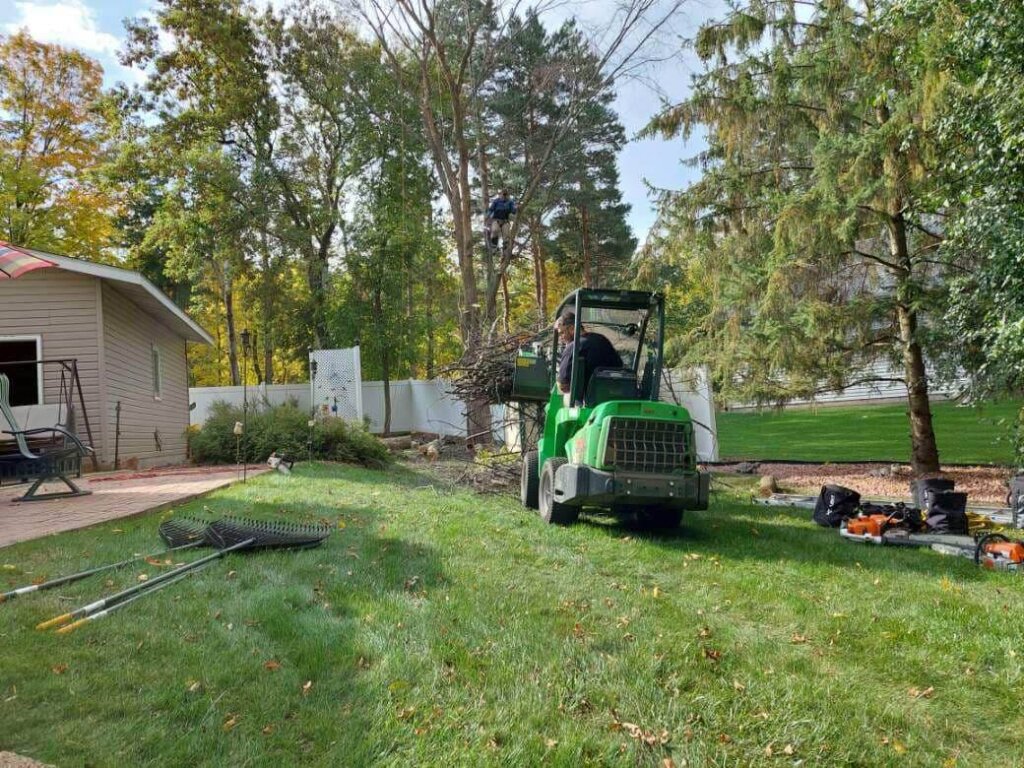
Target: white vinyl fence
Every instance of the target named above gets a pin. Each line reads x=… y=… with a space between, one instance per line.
x=427 y=406
x=416 y=406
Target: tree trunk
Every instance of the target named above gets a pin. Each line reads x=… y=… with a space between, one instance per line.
x=255 y=359
x=385 y=358
x=924 y=452
x=267 y=311
x=316 y=275
x=506 y=304
x=540 y=272
x=228 y=297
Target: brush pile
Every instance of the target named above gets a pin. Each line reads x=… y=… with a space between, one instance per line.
x=485 y=374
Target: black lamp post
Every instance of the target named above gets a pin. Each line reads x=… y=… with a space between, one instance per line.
x=246 y=349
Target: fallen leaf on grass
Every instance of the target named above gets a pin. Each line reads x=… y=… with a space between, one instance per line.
x=307 y=687
x=143 y=577
x=231 y=574
x=712 y=655
x=230 y=722
x=551 y=743
x=650 y=738
x=724 y=738
x=738 y=686
x=704 y=632
x=405 y=713
x=272 y=665
x=916 y=693
x=59 y=669
x=159 y=563
x=798 y=639
x=267 y=729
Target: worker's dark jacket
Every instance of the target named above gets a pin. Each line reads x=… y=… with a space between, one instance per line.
x=501 y=208
x=595 y=351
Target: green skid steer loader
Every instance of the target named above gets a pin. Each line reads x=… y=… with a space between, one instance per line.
x=609 y=443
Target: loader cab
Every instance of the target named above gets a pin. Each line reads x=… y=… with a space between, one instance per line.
x=633 y=321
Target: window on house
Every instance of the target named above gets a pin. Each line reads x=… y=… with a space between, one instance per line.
x=158 y=373
x=26 y=385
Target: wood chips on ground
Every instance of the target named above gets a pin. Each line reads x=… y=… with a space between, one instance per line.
x=983 y=485
x=11 y=760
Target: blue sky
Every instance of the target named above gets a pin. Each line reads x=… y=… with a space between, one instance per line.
x=95 y=26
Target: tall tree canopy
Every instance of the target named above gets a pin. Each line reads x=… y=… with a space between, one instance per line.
x=816 y=217
x=57 y=126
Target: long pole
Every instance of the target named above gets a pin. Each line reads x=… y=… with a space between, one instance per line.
x=106 y=602
x=61 y=580
x=127 y=601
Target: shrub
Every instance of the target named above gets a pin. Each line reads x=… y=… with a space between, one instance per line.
x=282 y=428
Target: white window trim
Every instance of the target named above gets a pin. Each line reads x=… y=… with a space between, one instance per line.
x=158 y=380
x=38 y=339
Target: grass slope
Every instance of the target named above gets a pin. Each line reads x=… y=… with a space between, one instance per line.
x=979 y=434
x=438 y=629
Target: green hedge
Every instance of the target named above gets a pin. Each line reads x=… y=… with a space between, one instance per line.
x=285 y=429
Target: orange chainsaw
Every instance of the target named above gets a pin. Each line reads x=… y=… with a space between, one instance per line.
x=871 y=525
x=867 y=528
x=1000 y=553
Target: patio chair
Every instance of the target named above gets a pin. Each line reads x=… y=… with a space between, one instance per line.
x=57 y=458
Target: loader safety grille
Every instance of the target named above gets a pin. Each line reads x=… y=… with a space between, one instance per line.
x=643 y=445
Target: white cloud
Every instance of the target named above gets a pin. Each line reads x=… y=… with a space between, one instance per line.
x=67 y=22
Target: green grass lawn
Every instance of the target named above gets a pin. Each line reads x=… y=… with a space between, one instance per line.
x=966 y=435
x=453 y=629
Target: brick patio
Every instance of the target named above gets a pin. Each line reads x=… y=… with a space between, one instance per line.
x=114 y=495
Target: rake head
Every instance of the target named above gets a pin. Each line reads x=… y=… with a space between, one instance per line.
x=182 y=531
x=265 y=535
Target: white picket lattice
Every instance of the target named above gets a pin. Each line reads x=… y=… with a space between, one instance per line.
x=336 y=390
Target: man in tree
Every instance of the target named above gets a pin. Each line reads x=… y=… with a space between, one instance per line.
x=595 y=352
x=502 y=208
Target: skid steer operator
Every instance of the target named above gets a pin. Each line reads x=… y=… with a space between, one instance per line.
x=595 y=351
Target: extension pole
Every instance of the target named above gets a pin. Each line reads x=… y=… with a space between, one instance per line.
x=60 y=580
x=107 y=611
x=99 y=605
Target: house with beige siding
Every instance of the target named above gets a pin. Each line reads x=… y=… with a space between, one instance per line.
x=128 y=343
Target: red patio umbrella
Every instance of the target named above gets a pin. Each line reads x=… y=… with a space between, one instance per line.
x=15 y=262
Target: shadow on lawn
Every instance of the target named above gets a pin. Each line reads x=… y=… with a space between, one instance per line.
x=736 y=532
x=306 y=610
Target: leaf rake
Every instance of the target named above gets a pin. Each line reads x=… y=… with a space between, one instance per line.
x=228 y=535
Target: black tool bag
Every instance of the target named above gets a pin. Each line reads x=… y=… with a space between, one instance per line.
x=1015 y=499
x=908 y=518
x=835 y=504
x=921 y=490
x=947 y=513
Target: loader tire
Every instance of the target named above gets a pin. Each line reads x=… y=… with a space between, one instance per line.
x=529 y=483
x=550 y=510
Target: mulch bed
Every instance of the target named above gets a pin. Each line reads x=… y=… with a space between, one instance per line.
x=981 y=484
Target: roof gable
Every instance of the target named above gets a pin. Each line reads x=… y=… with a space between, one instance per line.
x=138 y=289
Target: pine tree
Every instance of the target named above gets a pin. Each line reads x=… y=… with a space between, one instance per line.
x=815 y=218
